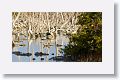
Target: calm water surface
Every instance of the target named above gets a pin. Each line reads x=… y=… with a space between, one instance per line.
x=48 y=46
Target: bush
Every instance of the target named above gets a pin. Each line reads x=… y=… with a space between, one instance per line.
x=88 y=39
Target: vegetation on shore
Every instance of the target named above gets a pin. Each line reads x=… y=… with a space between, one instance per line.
x=86 y=44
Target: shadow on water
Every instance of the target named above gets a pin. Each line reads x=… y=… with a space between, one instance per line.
x=40 y=54
x=21 y=54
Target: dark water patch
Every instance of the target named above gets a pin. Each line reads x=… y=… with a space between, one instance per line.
x=42 y=58
x=18 y=53
x=57 y=58
x=52 y=54
x=22 y=45
x=33 y=59
x=26 y=54
x=40 y=54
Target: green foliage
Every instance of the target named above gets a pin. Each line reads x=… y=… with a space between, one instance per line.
x=90 y=19
x=88 y=38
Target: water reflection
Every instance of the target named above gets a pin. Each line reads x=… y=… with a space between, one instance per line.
x=42 y=49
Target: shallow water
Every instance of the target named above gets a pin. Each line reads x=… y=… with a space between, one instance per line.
x=37 y=45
